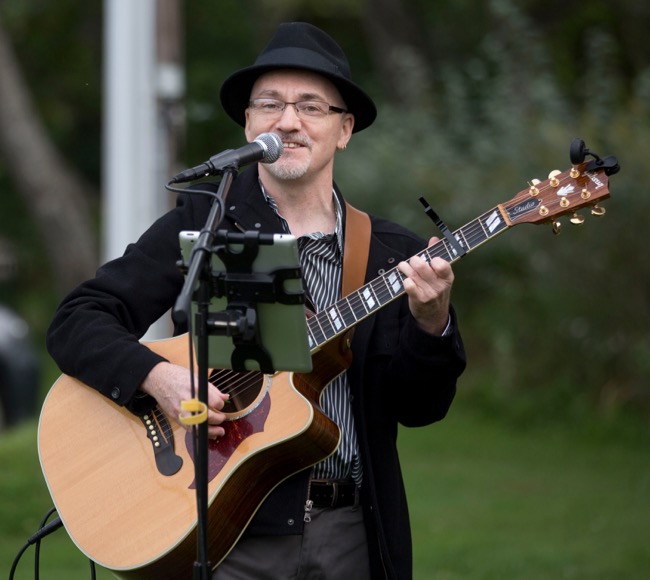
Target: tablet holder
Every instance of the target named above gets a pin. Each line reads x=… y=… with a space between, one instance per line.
x=244 y=288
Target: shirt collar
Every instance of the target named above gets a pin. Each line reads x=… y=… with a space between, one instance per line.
x=338 y=230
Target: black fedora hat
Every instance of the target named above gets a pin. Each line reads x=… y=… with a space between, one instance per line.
x=298 y=45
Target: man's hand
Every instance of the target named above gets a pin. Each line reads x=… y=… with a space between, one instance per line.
x=170 y=384
x=428 y=286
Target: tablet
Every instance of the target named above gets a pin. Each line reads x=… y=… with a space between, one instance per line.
x=281 y=325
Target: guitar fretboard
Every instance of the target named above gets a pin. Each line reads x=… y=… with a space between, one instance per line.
x=348 y=311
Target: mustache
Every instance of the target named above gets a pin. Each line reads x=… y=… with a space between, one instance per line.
x=298 y=138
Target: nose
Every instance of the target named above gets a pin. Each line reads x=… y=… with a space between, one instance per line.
x=289 y=119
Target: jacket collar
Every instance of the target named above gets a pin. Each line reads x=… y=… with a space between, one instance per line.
x=246 y=208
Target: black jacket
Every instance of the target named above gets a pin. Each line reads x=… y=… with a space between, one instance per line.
x=399 y=374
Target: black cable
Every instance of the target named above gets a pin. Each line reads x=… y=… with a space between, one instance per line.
x=37 y=549
x=16 y=560
x=192 y=189
x=45 y=529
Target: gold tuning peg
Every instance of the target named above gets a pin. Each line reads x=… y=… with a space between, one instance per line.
x=598 y=211
x=534 y=190
x=576 y=219
x=552 y=176
x=557 y=227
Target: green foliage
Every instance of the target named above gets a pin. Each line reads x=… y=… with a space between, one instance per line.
x=552 y=325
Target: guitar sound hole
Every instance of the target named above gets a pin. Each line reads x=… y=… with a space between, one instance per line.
x=243 y=388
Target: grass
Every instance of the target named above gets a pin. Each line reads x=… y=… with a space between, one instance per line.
x=487 y=501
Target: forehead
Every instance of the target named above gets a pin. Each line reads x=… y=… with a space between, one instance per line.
x=289 y=84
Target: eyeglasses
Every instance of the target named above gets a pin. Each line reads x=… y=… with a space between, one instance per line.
x=311 y=109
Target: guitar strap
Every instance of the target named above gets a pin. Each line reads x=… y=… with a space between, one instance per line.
x=356 y=249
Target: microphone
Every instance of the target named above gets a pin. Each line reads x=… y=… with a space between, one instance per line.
x=266 y=148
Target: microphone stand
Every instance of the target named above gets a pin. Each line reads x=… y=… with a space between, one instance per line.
x=198 y=265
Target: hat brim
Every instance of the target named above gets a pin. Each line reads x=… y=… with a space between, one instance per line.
x=236 y=92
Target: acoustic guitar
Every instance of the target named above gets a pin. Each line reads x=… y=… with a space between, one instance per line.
x=123 y=484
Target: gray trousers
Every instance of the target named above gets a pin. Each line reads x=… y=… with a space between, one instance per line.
x=333 y=546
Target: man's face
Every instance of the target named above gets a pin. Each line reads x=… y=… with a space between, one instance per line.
x=309 y=142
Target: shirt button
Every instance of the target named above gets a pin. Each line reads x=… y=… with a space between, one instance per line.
x=290 y=521
x=258 y=225
x=115 y=393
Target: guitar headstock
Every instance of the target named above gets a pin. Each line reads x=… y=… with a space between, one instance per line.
x=585 y=184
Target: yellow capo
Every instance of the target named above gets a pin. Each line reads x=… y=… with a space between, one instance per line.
x=195 y=412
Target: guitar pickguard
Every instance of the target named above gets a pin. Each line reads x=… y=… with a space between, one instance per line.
x=237 y=431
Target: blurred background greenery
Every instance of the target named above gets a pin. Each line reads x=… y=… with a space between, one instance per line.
x=476 y=98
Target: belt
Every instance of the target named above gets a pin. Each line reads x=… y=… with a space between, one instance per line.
x=333 y=493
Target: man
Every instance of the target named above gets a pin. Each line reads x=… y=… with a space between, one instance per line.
x=407 y=356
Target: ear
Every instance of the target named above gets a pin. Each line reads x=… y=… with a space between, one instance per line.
x=346 y=131
x=249 y=136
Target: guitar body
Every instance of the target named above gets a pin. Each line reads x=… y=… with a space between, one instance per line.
x=127 y=516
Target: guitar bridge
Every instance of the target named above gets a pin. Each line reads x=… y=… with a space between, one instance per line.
x=160 y=433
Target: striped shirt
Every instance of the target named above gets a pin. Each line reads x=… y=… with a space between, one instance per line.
x=321 y=257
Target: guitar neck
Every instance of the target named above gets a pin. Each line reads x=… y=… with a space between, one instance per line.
x=336 y=319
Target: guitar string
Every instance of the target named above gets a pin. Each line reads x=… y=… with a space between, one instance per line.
x=236 y=383
x=163 y=424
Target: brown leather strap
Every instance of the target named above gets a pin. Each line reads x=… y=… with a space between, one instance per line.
x=356 y=250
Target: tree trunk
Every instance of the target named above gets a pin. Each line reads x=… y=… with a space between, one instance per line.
x=55 y=195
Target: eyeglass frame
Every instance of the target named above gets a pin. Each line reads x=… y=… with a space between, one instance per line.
x=330 y=108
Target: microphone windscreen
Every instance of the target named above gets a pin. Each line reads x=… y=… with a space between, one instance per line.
x=272 y=145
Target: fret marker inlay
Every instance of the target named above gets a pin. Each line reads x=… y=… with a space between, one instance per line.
x=395 y=282
x=493 y=221
x=336 y=321
x=370 y=301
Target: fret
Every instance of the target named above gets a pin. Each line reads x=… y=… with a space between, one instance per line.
x=326 y=324
x=368 y=299
x=316 y=329
x=493 y=221
x=394 y=280
x=311 y=339
x=345 y=310
x=461 y=243
x=482 y=225
x=378 y=286
x=335 y=318
x=468 y=233
x=382 y=290
x=448 y=250
x=359 y=305
x=462 y=239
